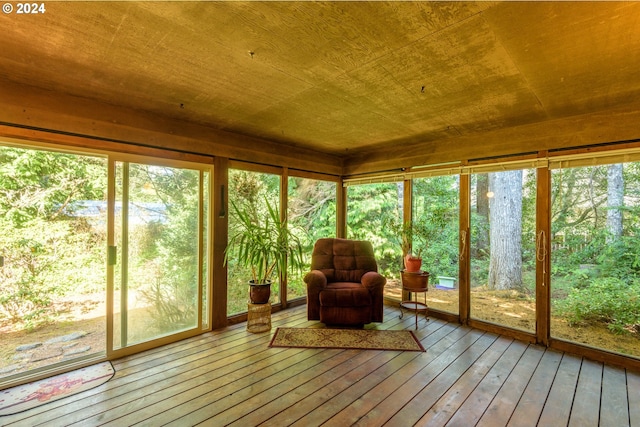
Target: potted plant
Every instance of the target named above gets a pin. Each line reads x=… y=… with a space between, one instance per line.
x=411 y=251
x=413 y=262
x=266 y=245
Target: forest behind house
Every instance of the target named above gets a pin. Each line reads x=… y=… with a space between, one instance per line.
x=53 y=239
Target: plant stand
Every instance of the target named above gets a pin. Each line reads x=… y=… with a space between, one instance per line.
x=259 y=317
x=417 y=282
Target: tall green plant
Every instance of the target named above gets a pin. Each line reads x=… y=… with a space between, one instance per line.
x=266 y=245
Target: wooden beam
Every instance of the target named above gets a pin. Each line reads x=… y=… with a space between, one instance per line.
x=464 y=249
x=578 y=131
x=220 y=236
x=284 y=213
x=28 y=108
x=341 y=210
x=543 y=256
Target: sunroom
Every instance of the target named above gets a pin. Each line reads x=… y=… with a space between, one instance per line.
x=504 y=133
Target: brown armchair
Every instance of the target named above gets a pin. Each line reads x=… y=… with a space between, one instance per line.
x=343 y=286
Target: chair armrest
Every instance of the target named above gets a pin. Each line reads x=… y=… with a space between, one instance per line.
x=316 y=281
x=373 y=280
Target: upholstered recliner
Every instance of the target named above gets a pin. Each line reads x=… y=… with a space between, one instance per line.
x=344 y=287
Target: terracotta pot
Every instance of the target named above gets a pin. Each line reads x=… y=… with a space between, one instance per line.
x=415 y=281
x=412 y=264
x=259 y=293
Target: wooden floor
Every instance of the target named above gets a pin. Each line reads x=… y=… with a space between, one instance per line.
x=465 y=378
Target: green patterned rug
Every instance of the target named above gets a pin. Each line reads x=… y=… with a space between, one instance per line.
x=361 y=339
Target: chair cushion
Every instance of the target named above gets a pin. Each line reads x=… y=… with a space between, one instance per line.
x=343 y=260
x=345 y=294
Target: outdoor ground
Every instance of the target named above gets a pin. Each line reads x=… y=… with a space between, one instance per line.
x=86 y=315
x=517 y=311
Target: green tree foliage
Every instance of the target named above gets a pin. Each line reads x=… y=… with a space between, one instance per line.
x=45 y=185
x=311 y=215
x=436 y=217
x=166 y=251
x=371 y=208
x=49 y=247
x=599 y=267
x=375 y=213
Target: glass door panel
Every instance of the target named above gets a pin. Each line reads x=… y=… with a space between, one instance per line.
x=374 y=213
x=251 y=191
x=436 y=213
x=53 y=226
x=160 y=272
x=503 y=248
x=595 y=256
x=312 y=215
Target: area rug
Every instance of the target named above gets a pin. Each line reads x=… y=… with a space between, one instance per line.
x=361 y=339
x=27 y=396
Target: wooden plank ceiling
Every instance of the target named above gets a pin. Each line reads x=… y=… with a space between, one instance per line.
x=341 y=78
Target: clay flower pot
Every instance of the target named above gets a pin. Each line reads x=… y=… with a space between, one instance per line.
x=412 y=263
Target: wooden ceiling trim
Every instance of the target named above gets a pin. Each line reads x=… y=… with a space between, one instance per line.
x=579 y=131
x=19 y=135
x=30 y=107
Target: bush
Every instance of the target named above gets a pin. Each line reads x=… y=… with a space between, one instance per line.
x=609 y=300
x=621 y=258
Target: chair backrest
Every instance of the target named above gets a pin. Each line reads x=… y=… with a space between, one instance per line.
x=343 y=260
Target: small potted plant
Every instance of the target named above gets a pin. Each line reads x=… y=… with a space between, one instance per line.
x=411 y=256
x=266 y=245
x=413 y=262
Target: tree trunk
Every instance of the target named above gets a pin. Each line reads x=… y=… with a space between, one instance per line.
x=481 y=247
x=505 y=212
x=615 y=200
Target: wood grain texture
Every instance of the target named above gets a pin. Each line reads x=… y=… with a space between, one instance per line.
x=356 y=80
x=466 y=378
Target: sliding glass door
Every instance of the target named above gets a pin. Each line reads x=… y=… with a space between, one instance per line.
x=98 y=253
x=595 y=256
x=503 y=231
x=436 y=219
x=53 y=233
x=311 y=215
x=159 y=255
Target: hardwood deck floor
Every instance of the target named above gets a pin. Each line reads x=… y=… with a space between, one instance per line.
x=466 y=378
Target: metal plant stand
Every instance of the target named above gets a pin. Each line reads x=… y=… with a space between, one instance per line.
x=415 y=282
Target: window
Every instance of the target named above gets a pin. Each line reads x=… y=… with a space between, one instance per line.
x=251 y=191
x=375 y=213
x=311 y=215
x=595 y=254
x=503 y=230
x=161 y=252
x=436 y=213
x=106 y=250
